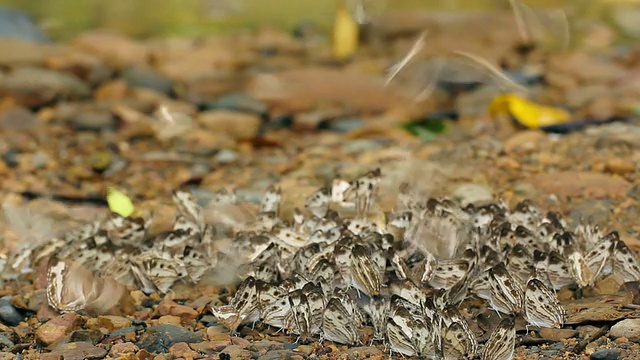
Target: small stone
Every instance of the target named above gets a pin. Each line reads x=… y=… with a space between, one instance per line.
x=235 y=352
x=79 y=351
x=169 y=320
x=243 y=343
x=123 y=348
x=305 y=349
x=10 y=356
x=124 y=333
x=362 y=352
x=629 y=328
x=58 y=327
x=18 y=118
x=557 y=334
x=278 y=354
x=93 y=121
x=210 y=347
x=91 y=336
x=182 y=350
x=36 y=86
x=184 y=313
x=226 y=156
x=108 y=322
x=345 y=125
x=267 y=345
x=238 y=102
x=234 y=124
x=146 y=77
x=523 y=141
x=620 y=166
x=158 y=339
x=145 y=355
x=606 y=354
x=8 y=313
x=5 y=342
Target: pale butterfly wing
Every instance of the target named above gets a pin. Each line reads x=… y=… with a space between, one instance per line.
x=502 y=342
x=541 y=307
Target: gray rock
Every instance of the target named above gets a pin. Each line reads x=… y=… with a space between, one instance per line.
x=8 y=314
x=119 y=333
x=606 y=354
x=226 y=156
x=11 y=158
x=5 y=342
x=39 y=160
x=232 y=352
x=239 y=102
x=158 y=339
x=345 y=125
x=629 y=328
x=280 y=354
x=93 y=121
x=79 y=351
x=148 y=78
x=86 y=335
x=17 y=25
x=32 y=86
x=634 y=192
x=18 y=118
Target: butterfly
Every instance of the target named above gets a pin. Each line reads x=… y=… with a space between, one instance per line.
x=363 y=191
x=501 y=344
x=271 y=201
x=71 y=287
x=507 y=294
x=365 y=275
x=338 y=324
x=541 y=307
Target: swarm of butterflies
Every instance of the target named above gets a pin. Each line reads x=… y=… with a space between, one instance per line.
x=334 y=268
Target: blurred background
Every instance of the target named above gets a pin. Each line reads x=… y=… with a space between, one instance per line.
x=62 y=19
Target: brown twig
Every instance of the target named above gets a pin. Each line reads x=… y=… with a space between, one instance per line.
x=583 y=344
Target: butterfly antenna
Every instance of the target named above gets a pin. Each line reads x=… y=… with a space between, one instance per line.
x=499 y=74
x=523 y=29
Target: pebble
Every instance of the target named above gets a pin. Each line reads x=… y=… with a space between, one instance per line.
x=123 y=348
x=581 y=184
x=226 y=156
x=18 y=118
x=344 y=125
x=108 y=322
x=238 y=102
x=93 y=121
x=266 y=345
x=79 y=351
x=32 y=86
x=606 y=354
x=182 y=312
x=8 y=313
x=183 y=351
x=128 y=332
x=159 y=339
x=235 y=352
x=557 y=334
x=57 y=327
x=210 y=347
x=620 y=166
x=92 y=336
x=629 y=328
x=146 y=77
x=234 y=124
x=279 y=354
x=5 y=342
x=362 y=352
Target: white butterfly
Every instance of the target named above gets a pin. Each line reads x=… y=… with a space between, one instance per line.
x=541 y=307
x=502 y=342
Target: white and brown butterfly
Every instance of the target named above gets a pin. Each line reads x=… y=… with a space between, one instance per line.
x=365 y=276
x=507 y=294
x=541 y=307
x=501 y=344
x=270 y=202
x=338 y=324
x=363 y=191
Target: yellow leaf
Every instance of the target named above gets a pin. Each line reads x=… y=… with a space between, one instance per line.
x=119 y=203
x=526 y=113
x=345 y=33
